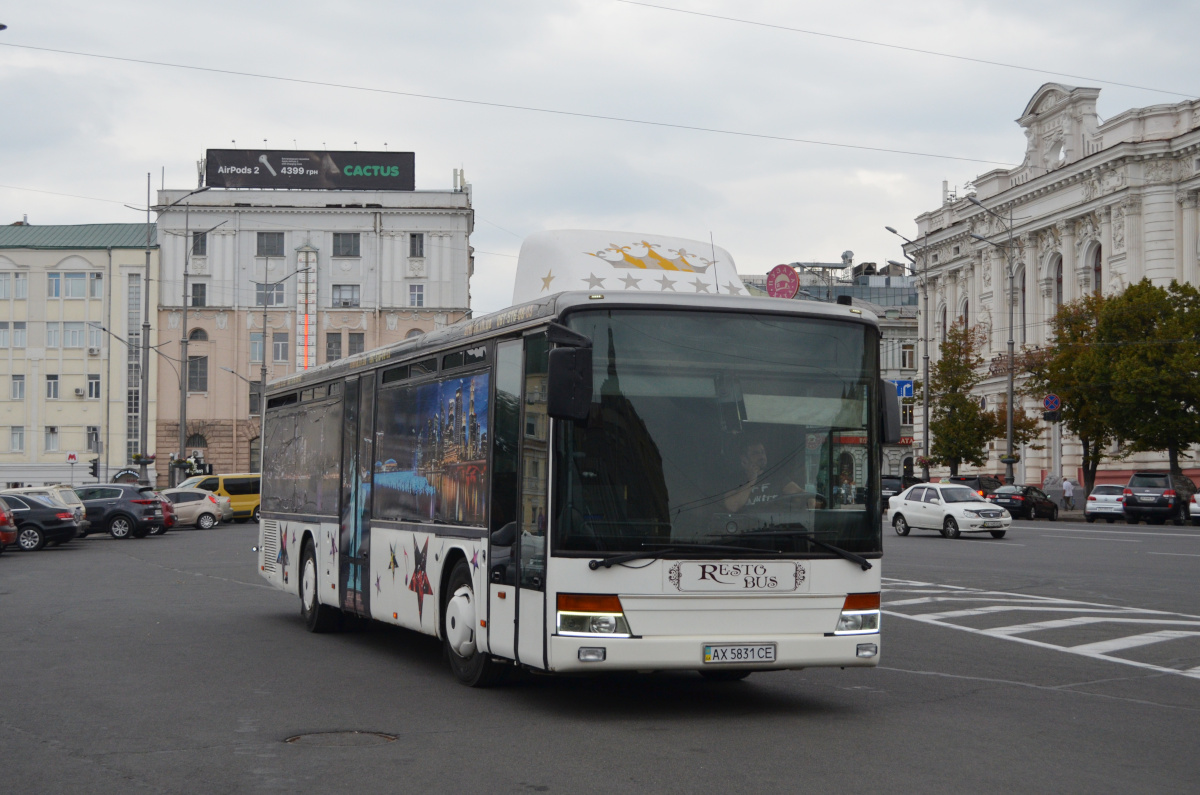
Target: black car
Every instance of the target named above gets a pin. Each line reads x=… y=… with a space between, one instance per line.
x=889 y=486
x=1156 y=497
x=982 y=485
x=123 y=509
x=1024 y=502
x=40 y=522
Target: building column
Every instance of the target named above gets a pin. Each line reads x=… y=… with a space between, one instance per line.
x=1134 y=243
x=1070 y=282
x=1105 y=248
x=1188 y=270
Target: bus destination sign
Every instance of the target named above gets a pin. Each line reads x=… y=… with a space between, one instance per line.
x=288 y=168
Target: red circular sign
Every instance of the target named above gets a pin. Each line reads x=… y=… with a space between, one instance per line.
x=782 y=282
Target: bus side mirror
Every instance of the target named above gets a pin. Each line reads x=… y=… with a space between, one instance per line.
x=890 y=412
x=569 y=383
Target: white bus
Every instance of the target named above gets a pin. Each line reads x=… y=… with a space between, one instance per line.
x=594 y=482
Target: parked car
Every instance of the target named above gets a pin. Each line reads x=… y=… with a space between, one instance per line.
x=40 y=522
x=889 y=486
x=169 y=519
x=242 y=491
x=197 y=507
x=1105 y=502
x=1194 y=511
x=1156 y=497
x=1024 y=502
x=8 y=527
x=59 y=492
x=982 y=485
x=951 y=509
x=123 y=509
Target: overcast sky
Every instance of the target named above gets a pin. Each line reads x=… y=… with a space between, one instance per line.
x=94 y=128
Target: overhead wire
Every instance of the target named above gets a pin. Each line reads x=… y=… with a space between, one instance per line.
x=508 y=106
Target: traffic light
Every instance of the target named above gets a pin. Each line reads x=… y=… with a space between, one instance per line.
x=94 y=468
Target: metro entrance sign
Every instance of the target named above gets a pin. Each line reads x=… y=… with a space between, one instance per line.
x=72 y=457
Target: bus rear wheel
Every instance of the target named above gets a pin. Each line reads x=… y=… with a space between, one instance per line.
x=471 y=666
x=317 y=617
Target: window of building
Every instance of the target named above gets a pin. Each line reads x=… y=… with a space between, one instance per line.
x=16 y=439
x=955 y=250
x=199 y=294
x=5 y=286
x=5 y=337
x=416 y=295
x=18 y=387
x=908 y=356
x=53 y=335
x=95 y=285
x=270 y=244
x=74 y=285
x=51 y=438
x=93 y=438
x=268 y=294
x=93 y=388
x=415 y=332
x=1097 y=284
x=333 y=346
x=416 y=244
x=73 y=335
x=256 y=454
x=346 y=244
x=20 y=286
x=965 y=315
x=53 y=285
x=345 y=295
x=198 y=335
x=197 y=373
x=255 y=398
x=95 y=335
x=357 y=342
x=196 y=440
x=1058 y=283
x=199 y=244
x=18 y=334
x=942 y=328
x=256 y=346
x=906 y=413
x=279 y=346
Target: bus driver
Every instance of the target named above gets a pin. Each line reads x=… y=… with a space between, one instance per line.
x=762 y=486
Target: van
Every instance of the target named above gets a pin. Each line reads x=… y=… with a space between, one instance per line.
x=242 y=490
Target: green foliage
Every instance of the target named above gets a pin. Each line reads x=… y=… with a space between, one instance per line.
x=959 y=427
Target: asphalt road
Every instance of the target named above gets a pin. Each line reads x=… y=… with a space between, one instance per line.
x=1049 y=661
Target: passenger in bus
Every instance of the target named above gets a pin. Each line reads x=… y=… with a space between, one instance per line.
x=764 y=484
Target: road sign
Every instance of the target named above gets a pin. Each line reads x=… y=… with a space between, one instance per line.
x=1051 y=402
x=72 y=457
x=782 y=282
x=904 y=389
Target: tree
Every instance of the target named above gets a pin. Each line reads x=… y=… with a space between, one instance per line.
x=1072 y=366
x=1148 y=341
x=960 y=428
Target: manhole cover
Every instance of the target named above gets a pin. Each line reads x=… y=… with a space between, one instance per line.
x=341 y=739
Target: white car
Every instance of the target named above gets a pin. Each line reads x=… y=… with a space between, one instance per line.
x=948 y=508
x=1105 y=502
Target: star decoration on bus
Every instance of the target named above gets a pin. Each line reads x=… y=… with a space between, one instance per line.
x=594 y=281
x=549 y=277
x=630 y=282
x=282 y=556
x=732 y=289
x=700 y=286
x=475 y=560
x=378 y=587
x=332 y=546
x=419 y=582
x=392 y=564
x=666 y=284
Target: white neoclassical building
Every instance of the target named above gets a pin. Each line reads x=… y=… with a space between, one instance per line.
x=1095 y=206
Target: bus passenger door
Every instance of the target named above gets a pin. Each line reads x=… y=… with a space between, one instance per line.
x=534 y=511
x=354 y=538
x=502 y=518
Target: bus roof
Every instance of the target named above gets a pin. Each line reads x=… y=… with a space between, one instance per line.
x=555 y=306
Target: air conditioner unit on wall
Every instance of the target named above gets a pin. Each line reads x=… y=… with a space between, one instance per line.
x=93 y=351
x=78 y=391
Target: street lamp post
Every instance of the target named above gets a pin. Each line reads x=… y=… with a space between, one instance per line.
x=262 y=386
x=1008 y=459
x=925 y=338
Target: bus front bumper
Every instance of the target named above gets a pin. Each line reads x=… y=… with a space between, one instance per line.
x=686 y=652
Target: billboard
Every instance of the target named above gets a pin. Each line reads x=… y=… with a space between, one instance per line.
x=289 y=168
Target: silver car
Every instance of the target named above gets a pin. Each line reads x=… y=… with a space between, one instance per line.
x=199 y=508
x=1105 y=502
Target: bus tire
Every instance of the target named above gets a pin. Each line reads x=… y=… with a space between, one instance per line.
x=471 y=666
x=317 y=617
x=725 y=676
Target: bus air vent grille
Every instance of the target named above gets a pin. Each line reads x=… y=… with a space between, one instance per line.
x=270 y=545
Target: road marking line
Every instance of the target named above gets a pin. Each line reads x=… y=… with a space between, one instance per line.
x=1118 y=532
x=1134 y=641
x=990 y=609
x=1078 y=621
x=1176 y=554
x=1118 y=540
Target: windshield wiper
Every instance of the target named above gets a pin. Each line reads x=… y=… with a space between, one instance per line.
x=664 y=549
x=801 y=532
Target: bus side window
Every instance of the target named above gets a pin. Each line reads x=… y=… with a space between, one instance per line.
x=506 y=425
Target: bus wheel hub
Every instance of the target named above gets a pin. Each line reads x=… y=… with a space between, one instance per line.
x=460 y=622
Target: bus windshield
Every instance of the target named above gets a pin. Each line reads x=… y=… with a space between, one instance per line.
x=750 y=431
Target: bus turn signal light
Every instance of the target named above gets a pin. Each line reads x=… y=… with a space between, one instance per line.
x=861 y=601
x=589 y=603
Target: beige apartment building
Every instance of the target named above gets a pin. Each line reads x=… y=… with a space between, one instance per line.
x=71 y=297
x=301 y=277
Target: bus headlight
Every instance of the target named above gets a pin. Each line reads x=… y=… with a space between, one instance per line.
x=860 y=615
x=591 y=614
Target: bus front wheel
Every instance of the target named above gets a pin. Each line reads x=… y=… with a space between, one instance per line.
x=317 y=617
x=471 y=666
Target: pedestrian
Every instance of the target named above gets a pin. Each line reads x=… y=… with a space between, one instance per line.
x=1068 y=494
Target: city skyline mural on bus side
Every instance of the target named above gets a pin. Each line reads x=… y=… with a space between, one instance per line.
x=431 y=452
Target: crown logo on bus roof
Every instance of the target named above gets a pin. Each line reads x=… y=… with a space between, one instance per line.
x=644 y=256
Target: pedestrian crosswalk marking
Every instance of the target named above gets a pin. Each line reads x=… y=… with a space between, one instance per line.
x=901 y=595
